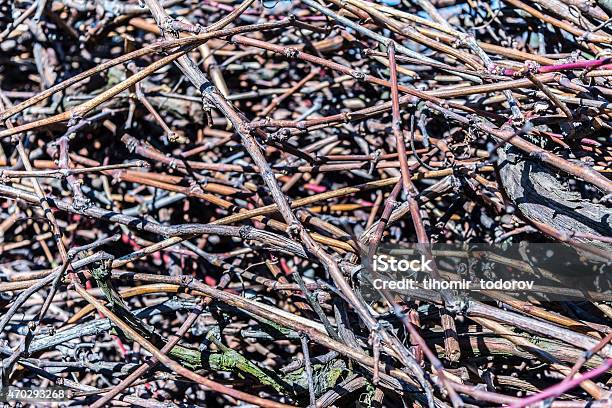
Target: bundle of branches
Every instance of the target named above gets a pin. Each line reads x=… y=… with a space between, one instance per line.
x=192 y=192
